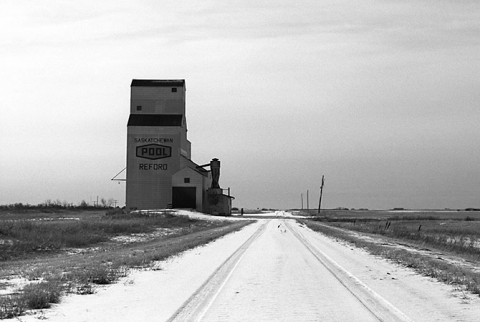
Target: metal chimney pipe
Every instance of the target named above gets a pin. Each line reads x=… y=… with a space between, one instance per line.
x=215 y=168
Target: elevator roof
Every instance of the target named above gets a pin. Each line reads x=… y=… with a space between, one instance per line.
x=158 y=82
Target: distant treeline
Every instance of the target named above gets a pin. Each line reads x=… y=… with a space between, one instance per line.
x=57 y=204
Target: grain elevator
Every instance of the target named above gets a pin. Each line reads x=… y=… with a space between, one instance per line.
x=160 y=172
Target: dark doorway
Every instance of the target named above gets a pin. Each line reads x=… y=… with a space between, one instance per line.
x=184 y=197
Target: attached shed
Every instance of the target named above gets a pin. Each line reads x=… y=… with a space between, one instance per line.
x=189 y=188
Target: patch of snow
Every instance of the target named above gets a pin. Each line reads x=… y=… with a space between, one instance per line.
x=11 y=285
x=190 y=214
x=6 y=242
x=144 y=237
x=75 y=251
x=278 y=213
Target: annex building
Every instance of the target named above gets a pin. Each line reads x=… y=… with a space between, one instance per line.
x=160 y=172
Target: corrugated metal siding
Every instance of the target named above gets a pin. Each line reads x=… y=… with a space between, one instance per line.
x=157 y=93
x=157 y=100
x=152 y=195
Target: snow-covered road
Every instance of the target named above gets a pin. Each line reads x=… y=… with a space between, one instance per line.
x=273 y=270
x=278 y=279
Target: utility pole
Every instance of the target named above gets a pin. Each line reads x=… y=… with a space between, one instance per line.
x=301 y=197
x=308 y=206
x=321 y=192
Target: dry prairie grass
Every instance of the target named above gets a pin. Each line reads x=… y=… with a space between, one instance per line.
x=458 y=235
x=24 y=238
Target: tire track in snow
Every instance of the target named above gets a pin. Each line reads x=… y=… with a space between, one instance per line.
x=198 y=304
x=373 y=301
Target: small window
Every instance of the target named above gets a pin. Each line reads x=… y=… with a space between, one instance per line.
x=186 y=180
x=174 y=90
x=139 y=108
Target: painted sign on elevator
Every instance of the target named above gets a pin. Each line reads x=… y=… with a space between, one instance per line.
x=153 y=151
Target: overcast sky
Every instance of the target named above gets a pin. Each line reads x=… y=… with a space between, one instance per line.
x=381 y=97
